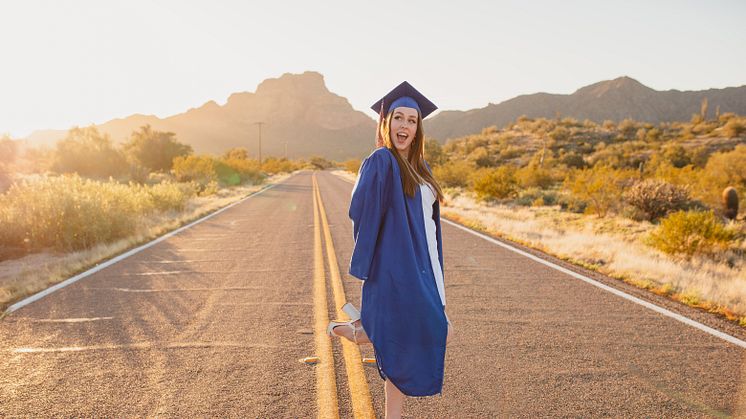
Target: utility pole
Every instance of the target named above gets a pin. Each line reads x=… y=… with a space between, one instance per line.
x=260 y=141
x=286 y=150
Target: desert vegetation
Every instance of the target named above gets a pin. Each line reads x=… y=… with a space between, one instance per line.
x=670 y=193
x=87 y=198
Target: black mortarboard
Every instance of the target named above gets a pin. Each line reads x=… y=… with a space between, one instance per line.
x=405 y=95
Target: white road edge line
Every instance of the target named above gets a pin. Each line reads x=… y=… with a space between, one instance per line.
x=605 y=287
x=41 y=294
x=651 y=306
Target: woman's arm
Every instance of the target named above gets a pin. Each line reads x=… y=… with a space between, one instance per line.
x=370 y=198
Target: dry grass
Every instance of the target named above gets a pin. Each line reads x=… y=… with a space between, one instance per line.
x=613 y=246
x=22 y=277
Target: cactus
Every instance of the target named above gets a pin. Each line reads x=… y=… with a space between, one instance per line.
x=730 y=202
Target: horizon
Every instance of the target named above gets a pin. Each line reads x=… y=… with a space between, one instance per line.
x=163 y=59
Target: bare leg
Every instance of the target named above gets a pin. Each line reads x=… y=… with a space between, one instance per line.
x=346 y=332
x=394 y=400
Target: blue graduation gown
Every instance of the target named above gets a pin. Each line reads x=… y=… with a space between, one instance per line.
x=401 y=309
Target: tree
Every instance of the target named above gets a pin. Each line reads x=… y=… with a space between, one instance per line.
x=89 y=153
x=8 y=151
x=155 y=150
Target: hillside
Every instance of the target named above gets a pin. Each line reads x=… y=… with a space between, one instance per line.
x=613 y=100
x=299 y=111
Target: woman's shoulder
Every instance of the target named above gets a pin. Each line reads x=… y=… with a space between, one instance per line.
x=380 y=157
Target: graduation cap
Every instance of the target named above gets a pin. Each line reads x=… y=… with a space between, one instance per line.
x=407 y=96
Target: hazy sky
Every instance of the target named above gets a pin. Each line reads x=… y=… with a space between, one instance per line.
x=65 y=63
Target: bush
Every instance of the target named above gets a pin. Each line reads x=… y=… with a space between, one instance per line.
x=320 y=163
x=453 y=174
x=199 y=169
x=534 y=176
x=491 y=184
x=734 y=128
x=273 y=165
x=600 y=187
x=72 y=213
x=352 y=165
x=536 y=197
x=655 y=198
x=689 y=233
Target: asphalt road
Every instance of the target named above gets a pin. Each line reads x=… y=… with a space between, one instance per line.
x=213 y=322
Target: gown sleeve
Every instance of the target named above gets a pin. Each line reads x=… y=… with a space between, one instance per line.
x=370 y=198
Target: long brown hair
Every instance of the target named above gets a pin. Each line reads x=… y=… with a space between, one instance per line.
x=413 y=170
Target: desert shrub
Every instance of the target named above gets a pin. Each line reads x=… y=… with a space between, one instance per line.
x=481 y=157
x=170 y=196
x=453 y=174
x=559 y=134
x=248 y=170
x=569 y=202
x=352 y=165
x=199 y=169
x=434 y=153
x=676 y=155
x=71 y=213
x=689 y=233
x=734 y=128
x=536 y=197
x=573 y=160
x=492 y=184
x=320 y=163
x=273 y=165
x=226 y=174
x=534 y=176
x=655 y=198
x=628 y=128
x=600 y=187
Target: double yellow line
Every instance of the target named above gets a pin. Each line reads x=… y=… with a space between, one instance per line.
x=328 y=406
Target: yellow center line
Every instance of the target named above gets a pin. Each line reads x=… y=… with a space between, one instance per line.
x=326 y=383
x=362 y=404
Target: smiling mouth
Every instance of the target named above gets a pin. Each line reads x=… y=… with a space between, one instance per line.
x=401 y=136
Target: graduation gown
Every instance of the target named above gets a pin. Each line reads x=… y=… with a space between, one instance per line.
x=401 y=312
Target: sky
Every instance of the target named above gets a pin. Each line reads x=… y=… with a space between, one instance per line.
x=74 y=62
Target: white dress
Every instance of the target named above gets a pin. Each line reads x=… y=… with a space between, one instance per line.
x=428 y=199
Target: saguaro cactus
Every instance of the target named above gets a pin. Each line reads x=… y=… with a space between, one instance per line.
x=730 y=202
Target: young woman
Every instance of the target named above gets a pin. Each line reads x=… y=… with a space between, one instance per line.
x=398 y=254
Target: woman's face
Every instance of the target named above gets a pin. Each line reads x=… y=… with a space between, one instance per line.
x=403 y=129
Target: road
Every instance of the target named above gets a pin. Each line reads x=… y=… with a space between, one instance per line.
x=214 y=320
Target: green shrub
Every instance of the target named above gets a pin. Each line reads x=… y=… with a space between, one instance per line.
x=492 y=184
x=655 y=198
x=689 y=233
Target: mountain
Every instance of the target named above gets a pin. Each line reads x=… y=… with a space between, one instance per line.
x=299 y=110
x=615 y=100
x=295 y=109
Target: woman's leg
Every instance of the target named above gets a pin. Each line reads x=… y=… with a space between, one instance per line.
x=394 y=400
x=346 y=331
